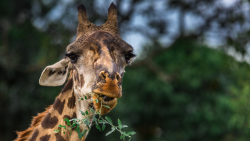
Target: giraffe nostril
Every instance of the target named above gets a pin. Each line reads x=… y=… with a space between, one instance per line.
x=117 y=76
x=102 y=75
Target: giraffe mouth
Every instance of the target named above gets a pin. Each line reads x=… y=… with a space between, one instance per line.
x=106 y=98
x=103 y=102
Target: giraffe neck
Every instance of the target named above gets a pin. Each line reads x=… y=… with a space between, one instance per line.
x=66 y=105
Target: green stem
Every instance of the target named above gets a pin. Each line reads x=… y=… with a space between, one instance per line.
x=100 y=111
x=115 y=127
x=87 y=117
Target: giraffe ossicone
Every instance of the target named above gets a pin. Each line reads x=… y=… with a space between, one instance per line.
x=95 y=63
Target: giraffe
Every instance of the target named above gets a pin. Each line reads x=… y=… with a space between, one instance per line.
x=94 y=62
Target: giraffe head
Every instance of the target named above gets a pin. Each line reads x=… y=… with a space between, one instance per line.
x=96 y=59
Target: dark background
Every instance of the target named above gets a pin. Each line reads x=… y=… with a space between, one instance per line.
x=190 y=81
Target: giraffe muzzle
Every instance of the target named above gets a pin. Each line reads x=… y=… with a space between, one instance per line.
x=108 y=85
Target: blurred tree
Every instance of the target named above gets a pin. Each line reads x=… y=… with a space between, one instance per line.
x=207 y=97
x=183 y=90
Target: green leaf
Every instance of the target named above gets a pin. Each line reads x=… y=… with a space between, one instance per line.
x=63 y=132
x=108 y=119
x=73 y=125
x=102 y=121
x=96 y=122
x=68 y=122
x=62 y=126
x=98 y=127
x=82 y=113
x=119 y=124
x=78 y=129
x=73 y=119
x=86 y=97
x=122 y=137
x=81 y=98
x=103 y=127
x=106 y=106
x=94 y=119
x=131 y=133
x=57 y=131
x=112 y=130
x=123 y=126
x=96 y=100
x=80 y=135
x=92 y=110
x=87 y=122
x=86 y=112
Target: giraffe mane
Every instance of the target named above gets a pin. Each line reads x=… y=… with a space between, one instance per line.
x=23 y=135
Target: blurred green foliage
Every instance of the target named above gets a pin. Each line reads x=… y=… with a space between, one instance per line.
x=207 y=99
x=185 y=92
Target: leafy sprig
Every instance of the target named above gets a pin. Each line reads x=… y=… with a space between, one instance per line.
x=97 y=120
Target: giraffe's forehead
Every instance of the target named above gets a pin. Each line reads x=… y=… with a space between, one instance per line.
x=98 y=40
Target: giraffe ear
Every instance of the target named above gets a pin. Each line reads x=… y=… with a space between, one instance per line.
x=56 y=74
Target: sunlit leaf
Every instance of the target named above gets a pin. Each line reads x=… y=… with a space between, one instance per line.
x=98 y=127
x=119 y=124
x=62 y=126
x=103 y=127
x=112 y=130
x=108 y=119
x=106 y=106
x=68 y=122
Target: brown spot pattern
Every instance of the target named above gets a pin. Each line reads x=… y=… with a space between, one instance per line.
x=82 y=80
x=34 y=135
x=71 y=102
x=45 y=138
x=68 y=86
x=76 y=76
x=58 y=105
x=38 y=119
x=68 y=117
x=59 y=137
x=49 y=122
x=25 y=135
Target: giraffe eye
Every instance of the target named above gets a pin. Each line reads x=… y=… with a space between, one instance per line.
x=129 y=56
x=73 y=57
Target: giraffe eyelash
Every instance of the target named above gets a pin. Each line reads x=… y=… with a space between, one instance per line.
x=72 y=56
